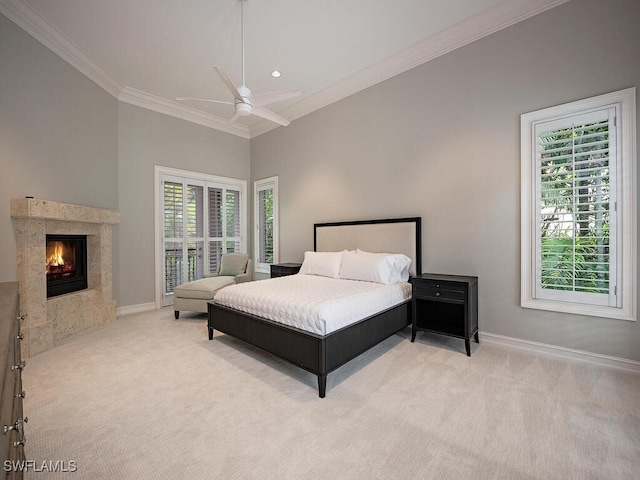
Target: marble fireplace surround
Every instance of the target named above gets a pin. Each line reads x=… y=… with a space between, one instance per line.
x=49 y=321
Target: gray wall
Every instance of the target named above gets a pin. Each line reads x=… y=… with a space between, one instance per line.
x=65 y=139
x=442 y=141
x=58 y=134
x=147 y=139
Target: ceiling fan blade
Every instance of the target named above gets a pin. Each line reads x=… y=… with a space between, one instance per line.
x=267 y=98
x=232 y=88
x=269 y=115
x=233 y=118
x=203 y=100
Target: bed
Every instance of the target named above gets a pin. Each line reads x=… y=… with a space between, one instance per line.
x=321 y=352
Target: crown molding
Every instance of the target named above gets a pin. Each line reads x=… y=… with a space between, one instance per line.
x=462 y=33
x=23 y=15
x=485 y=23
x=161 y=105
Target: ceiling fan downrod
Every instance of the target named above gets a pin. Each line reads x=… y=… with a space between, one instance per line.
x=242 y=31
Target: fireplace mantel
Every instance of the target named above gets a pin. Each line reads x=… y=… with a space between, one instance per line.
x=48 y=321
x=48 y=210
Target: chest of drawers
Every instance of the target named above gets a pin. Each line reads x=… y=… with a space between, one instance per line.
x=11 y=413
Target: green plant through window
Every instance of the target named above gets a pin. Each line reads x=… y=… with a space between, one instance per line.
x=266 y=225
x=574 y=209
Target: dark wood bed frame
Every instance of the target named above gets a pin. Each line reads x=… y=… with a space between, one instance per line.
x=318 y=354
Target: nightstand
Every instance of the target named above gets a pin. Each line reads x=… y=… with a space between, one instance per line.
x=446 y=305
x=284 y=269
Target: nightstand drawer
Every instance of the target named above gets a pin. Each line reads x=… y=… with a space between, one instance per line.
x=284 y=269
x=439 y=291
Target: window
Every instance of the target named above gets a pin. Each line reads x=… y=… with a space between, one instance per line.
x=200 y=218
x=266 y=220
x=579 y=207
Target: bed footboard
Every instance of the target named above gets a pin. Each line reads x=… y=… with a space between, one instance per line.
x=317 y=354
x=296 y=346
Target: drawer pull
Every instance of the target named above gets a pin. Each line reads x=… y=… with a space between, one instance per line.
x=20 y=317
x=16 y=426
x=437 y=294
x=22 y=395
x=20 y=336
x=22 y=441
x=20 y=366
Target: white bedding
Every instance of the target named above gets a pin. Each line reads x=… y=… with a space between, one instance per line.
x=313 y=303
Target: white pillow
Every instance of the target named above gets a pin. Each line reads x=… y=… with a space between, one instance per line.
x=324 y=264
x=367 y=268
x=399 y=265
x=373 y=267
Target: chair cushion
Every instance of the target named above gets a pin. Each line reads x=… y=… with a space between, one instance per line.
x=203 y=289
x=233 y=264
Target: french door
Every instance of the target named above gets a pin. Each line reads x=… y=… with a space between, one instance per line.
x=201 y=218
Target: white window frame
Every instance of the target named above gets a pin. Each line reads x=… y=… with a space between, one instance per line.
x=270 y=183
x=625 y=207
x=161 y=172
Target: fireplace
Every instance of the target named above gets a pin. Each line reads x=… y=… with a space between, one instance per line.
x=66 y=264
x=50 y=320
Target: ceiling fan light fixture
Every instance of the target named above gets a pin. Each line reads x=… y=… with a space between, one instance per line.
x=243 y=109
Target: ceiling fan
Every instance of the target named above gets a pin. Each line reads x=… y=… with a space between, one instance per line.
x=244 y=102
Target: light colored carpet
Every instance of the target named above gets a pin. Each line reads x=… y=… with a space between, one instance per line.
x=149 y=397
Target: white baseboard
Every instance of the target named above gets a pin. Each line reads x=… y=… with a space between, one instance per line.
x=553 y=350
x=143 y=307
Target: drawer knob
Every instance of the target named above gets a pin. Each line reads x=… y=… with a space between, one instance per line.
x=22 y=441
x=20 y=336
x=20 y=366
x=16 y=426
x=20 y=317
x=22 y=394
x=437 y=294
x=20 y=423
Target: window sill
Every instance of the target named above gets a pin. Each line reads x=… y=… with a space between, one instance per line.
x=576 y=309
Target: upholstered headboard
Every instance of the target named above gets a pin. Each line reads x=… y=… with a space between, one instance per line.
x=391 y=235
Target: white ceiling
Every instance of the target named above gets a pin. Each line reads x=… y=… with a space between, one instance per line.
x=147 y=52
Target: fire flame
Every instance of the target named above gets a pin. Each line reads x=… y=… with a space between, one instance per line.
x=56 y=259
x=56 y=263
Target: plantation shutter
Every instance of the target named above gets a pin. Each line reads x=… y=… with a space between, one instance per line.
x=215 y=227
x=265 y=196
x=183 y=218
x=195 y=232
x=233 y=237
x=265 y=225
x=199 y=218
x=202 y=220
x=173 y=230
x=225 y=223
x=575 y=250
